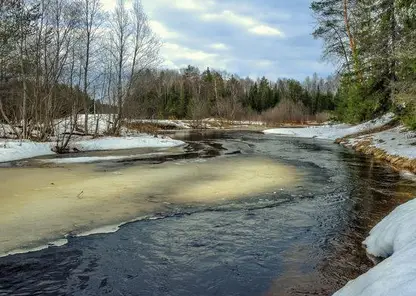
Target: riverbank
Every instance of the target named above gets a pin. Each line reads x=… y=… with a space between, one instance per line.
x=12 y=149
x=394 y=237
x=381 y=138
x=394 y=240
x=394 y=145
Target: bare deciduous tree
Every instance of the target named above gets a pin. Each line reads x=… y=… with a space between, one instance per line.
x=134 y=47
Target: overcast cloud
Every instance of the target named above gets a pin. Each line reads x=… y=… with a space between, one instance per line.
x=269 y=38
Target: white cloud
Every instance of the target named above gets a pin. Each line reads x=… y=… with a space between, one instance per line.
x=251 y=24
x=175 y=51
x=186 y=27
x=198 y=5
x=203 y=8
x=162 y=31
x=178 y=56
x=231 y=17
x=219 y=46
x=265 y=30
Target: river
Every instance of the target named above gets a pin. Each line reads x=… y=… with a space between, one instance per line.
x=232 y=213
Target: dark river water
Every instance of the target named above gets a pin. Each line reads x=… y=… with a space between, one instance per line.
x=305 y=241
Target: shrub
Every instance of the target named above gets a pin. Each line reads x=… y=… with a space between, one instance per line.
x=286 y=111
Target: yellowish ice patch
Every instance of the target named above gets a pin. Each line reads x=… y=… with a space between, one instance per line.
x=43 y=204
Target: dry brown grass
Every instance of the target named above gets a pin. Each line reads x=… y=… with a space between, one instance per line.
x=142 y=127
x=321 y=117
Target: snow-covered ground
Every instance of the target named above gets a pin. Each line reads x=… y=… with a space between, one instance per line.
x=397 y=141
x=114 y=143
x=393 y=238
x=332 y=132
x=178 y=124
x=97 y=124
x=11 y=150
x=207 y=123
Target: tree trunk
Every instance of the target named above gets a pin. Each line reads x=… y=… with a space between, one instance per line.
x=351 y=41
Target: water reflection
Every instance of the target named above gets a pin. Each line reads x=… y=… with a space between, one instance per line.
x=373 y=191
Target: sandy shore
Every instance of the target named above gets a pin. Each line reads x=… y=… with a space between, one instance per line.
x=44 y=204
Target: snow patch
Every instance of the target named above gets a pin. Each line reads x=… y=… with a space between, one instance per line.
x=394 y=232
x=394 y=236
x=98 y=123
x=332 y=132
x=179 y=124
x=11 y=150
x=408 y=175
x=113 y=143
x=397 y=141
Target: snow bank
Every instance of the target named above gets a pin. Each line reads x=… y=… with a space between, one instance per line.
x=180 y=124
x=233 y=122
x=332 y=132
x=396 y=141
x=99 y=122
x=6 y=131
x=113 y=143
x=394 y=232
x=209 y=123
x=394 y=236
x=11 y=150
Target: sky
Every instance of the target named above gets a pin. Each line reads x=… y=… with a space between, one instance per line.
x=253 y=38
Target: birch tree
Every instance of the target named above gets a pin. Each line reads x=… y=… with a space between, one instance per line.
x=134 y=47
x=90 y=25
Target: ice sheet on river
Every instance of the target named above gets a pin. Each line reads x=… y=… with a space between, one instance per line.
x=394 y=236
x=55 y=201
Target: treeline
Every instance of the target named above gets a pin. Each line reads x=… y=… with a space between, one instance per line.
x=63 y=58
x=60 y=57
x=374 y=45
x=193 y=94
